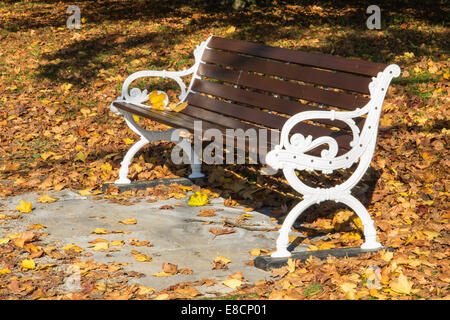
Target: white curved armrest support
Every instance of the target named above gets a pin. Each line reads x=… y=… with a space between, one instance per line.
x=138 y=96
x=290 y=153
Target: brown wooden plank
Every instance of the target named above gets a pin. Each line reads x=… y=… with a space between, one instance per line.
x=172 y=119
x=266 y=119
x=288 y=71
x=291 y=89
x=311 y=59
x=264 y=101
x=185 y=121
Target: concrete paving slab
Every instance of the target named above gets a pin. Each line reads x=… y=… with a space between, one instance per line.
x=177 y=235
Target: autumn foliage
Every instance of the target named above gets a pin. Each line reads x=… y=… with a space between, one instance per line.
x=57 y=132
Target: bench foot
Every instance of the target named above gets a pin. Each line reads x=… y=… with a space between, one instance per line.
x=370 y=234
x=123 y=171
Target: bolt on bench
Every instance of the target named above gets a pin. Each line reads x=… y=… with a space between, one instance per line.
x=325 y=108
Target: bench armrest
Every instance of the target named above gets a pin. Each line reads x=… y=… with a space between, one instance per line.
x=138 y=96
x=290 y=153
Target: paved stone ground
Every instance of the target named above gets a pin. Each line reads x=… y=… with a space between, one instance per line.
x=178 y=236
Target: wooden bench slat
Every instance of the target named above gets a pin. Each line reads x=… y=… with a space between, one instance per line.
x=172 y=119
x=304 y=92
x=312 y=59
x=266 y=119
x=289 y=71
x=186 y=121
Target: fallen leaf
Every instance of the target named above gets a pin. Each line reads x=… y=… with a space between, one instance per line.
x=198 y=199
x=5 y=271
x=100 y=231
x=231 y=29
x=220 y=231
x=142 y=257
x=117 y=243
x=46 y=199
x=100 y=246
x=24 y=207
x=28 y=264
x=207 y=213
x=178 y=107
x=129 y=221
x=170 y=268
x=401 y=285
x=36 y=227
x=187 y=291
x=72 y=246
x=232 y=283
x=162 y=274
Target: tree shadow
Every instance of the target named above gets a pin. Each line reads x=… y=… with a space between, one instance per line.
x=265 y=25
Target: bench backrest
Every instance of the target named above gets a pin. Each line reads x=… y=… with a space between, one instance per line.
x=261 y=85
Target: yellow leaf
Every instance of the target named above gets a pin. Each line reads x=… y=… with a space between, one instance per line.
x=136 y=118
x=387 y=256
x=157 y=100
x=291 y=265
x=4 y=241
x=255 y=252
x=198 y=199
x=349 y=289
x=85 y=192
x=117 y=243
x=24 y=207
x=222 y=259
x=232 y=283
x=178 y=107
x=162 y=296
x=5 y=271
x=431 y=234
x=129 y=221
x=81 y=156
x=28 y=264
x=401 y=285
x=142 y=257
x=100 y=231
x=231 y=29
x=85 y=111
x=46 y=199
x=100 y=246
x=72 y=246
x=128 y=141
x=326 y=246
x=106 y=167
x=36 y=227
x=162 y=274
x=47 y=155
x=145 y=290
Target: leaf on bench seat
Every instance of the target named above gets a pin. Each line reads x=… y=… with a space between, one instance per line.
x=177 y=107
x=157 y=100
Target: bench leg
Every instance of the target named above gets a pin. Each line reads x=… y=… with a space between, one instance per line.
x=283 y=237
x=123 y=172
x=370 y=234
x=196 y=164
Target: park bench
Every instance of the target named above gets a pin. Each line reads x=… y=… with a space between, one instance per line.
x=324 y=108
